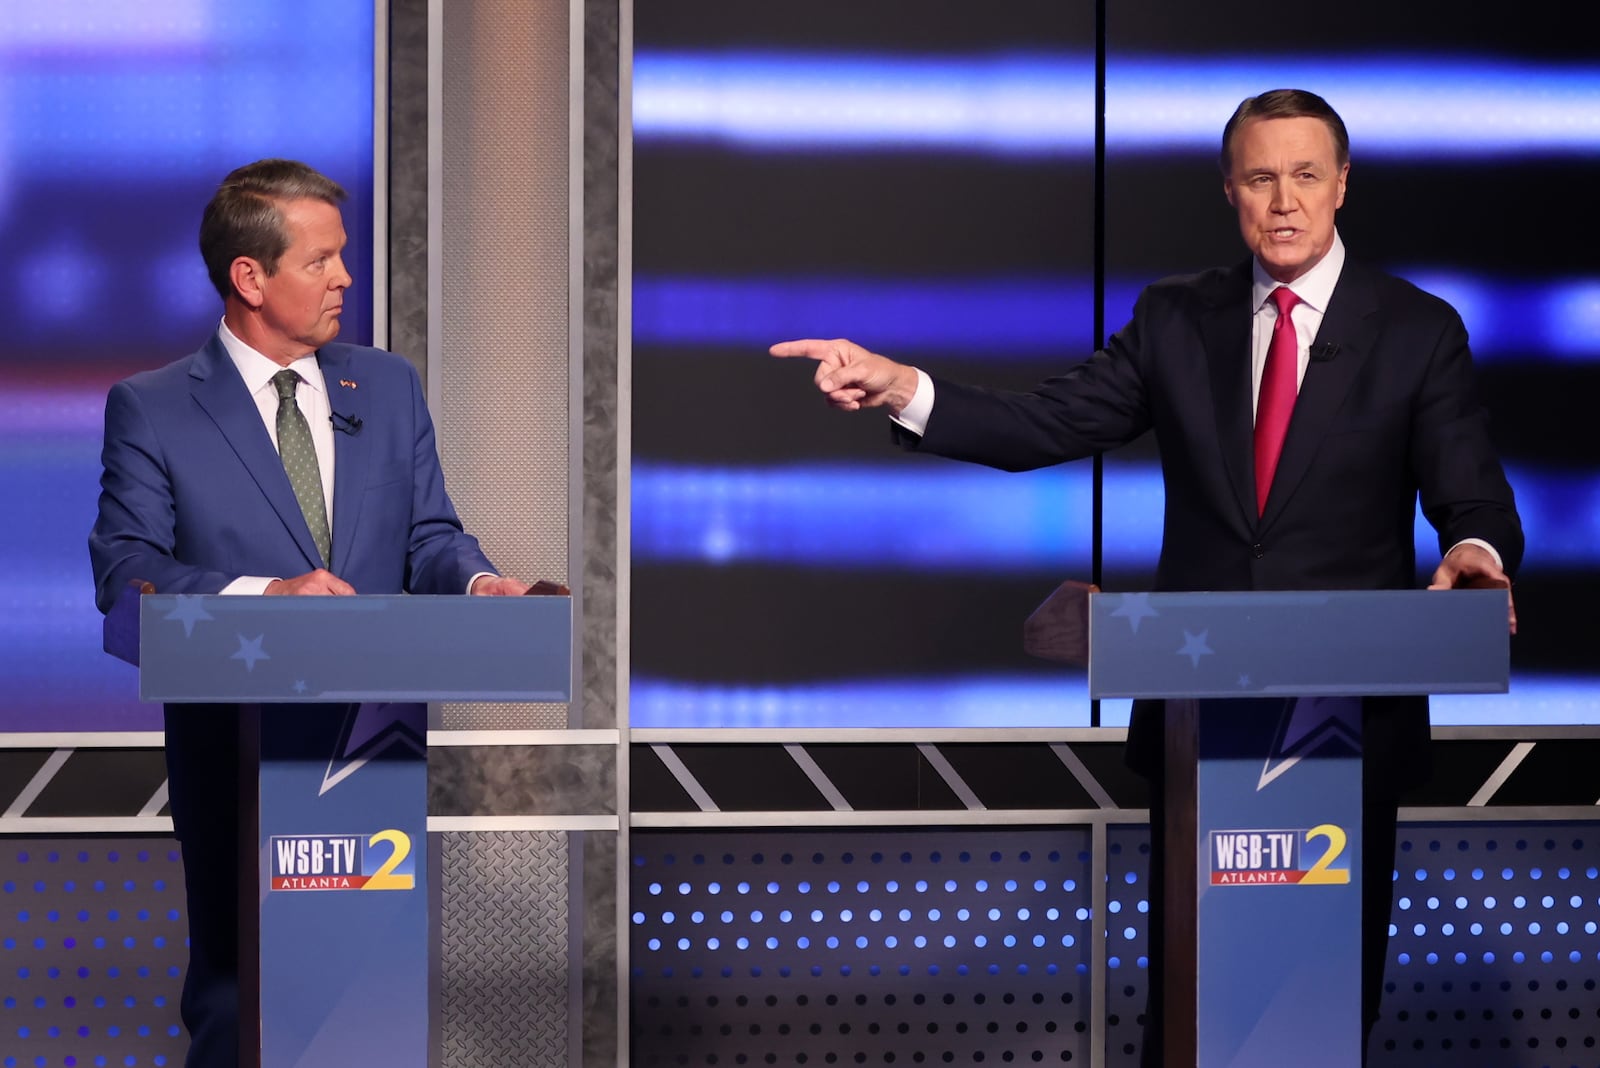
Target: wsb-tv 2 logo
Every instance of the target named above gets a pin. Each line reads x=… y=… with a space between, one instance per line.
x=382 y=861
x=1277 y=858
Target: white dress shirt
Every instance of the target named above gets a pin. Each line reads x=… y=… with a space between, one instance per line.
x=312 y=397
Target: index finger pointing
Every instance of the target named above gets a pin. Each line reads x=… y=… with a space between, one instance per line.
x=810 y=348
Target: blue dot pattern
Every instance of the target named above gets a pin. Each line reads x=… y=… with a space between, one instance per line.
x=861 y=947
x=300 y=462
x=1494 y=948
x=92 y=949
x=1126 y=933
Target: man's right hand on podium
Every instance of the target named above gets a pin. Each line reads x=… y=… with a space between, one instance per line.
x=318 y=583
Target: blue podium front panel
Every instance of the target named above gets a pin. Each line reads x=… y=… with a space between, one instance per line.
x=321 y=649
x=344 y=902
x=342 y=824
x=1278 y=858
x=1258 y=644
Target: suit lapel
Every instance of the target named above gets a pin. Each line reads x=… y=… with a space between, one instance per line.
x=1350 y=326
x=352 y=449
x=1225 y=333
x=216 y=386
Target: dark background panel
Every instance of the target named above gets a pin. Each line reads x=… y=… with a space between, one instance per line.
x=719 y=404
x=833 y=25
x=766 y=624
x=894 y=213
x=1414 y=33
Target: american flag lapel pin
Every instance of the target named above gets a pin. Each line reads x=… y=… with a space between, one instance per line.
x=347 y=383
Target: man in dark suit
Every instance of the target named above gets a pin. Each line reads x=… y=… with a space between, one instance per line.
x=1301 y=472
x=196 y=498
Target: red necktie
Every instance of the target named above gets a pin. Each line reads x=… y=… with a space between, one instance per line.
x=1279 y=384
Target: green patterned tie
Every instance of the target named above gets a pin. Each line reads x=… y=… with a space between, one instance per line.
x=300 y=461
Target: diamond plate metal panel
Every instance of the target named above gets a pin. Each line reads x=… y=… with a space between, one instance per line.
x=504 y=949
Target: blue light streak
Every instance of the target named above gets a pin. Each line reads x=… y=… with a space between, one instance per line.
x=940 y=518
x=1000 y=700
x=951 y=517
x=1051 y=315
x=1042 y=104
x=951 y=701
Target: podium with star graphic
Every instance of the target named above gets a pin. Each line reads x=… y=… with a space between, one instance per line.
x=1262 y=963
x=335 y=947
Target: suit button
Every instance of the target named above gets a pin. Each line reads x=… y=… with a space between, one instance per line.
x=1258 y=550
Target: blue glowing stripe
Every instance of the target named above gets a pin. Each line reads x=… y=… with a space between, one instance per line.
x=1044 y=104
x=1007 y=104
x=983 y=315
x=1049 y=315
x=960 y=517
x=1021 y=701
x=943 y=517
x=961 y=701
x=78 y=124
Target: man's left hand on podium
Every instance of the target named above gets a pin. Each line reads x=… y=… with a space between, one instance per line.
x=1470 y=566
x=498 y=586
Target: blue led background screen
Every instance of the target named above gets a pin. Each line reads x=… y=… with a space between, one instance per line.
x=790 y=566
x=117 y=120
x=921 y=177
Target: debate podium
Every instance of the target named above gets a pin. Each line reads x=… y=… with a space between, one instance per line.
x=1262 y=961
x=334 y=940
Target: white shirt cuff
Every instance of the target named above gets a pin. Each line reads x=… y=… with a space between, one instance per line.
x=914 y=416
x=1485 y=546
x=247 y=585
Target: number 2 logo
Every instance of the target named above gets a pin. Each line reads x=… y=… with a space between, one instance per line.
x=1319 y=873
x=385 y=878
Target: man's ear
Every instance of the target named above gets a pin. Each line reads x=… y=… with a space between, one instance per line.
x=1227 y=191
x=249 y=278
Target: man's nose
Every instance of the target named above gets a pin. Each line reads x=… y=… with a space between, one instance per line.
x=341 y=278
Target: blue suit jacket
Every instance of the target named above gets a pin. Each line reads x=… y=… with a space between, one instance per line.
x=194 y=495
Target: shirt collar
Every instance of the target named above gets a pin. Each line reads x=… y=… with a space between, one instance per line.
x=1315 y=287
x=257 y=370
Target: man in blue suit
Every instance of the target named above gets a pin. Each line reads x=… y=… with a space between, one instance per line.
x=196 y=498
x=1375 y=408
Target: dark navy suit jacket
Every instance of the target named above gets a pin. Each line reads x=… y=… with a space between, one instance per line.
x=1387 y=410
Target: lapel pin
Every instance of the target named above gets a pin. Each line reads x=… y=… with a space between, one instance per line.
x=347 y=383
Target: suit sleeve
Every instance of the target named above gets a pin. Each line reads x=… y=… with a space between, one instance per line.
x=1464 y=492
x=441 y=558
x=1097 y=405
x=134 y=536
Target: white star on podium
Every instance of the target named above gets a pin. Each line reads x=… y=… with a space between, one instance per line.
x=188 y=611
x=250 y=651
x=1194 y=647
x=1135 y=607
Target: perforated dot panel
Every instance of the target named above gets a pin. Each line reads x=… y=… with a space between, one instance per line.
x=886 y=947
x=92 y=949
x=1494 y=950
x=1127 y=930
